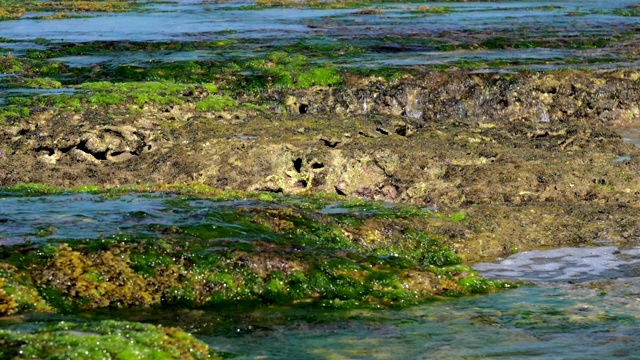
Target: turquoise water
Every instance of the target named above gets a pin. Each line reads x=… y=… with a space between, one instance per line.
x=529 y=322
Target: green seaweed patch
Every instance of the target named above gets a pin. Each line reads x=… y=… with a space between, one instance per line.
x=265 y=256
x=99 y=340
x=17 y=294
x=10 y=64
x=474 y=284
x=280 y=71
x=257 y=251
x=34 y=189
x=322 y=76
x=187 y=190
x=29 y=67
x=458 y=216
x=379 y=209
x=323 y=4
x=13 y=113
x=140 y=93
x=106 y=94
x=39 y=83
x=55 y=50
x=433 y=10
x=631 y=10
x=216 y=103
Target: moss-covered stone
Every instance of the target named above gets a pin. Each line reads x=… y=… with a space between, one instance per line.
x=17 y=293
x=102 y=340
x=97 y=280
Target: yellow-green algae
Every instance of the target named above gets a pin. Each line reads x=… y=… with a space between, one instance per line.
x=17 y=294
x=102 y=340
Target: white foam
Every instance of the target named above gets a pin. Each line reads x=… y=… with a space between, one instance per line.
x=566 y=264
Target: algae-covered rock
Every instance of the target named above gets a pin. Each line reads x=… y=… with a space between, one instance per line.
x=285 y=250
x=102 y=340
x=100 y=279
x=17 y=293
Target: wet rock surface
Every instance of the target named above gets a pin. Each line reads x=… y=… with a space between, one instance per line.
x=533 y=157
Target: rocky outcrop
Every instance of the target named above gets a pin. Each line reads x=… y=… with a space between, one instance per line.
x=448 y=140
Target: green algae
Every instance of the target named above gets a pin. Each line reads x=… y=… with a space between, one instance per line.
x=39 y=83
x=280 y=70
x=215 y=103
x=17 y=295
x=629 y=11
x=421 y=9
x=102 y=340
x=12 y=113
x=253 y=253
x=229 y=83
x=205 y=86
x=10 y=64
x=186 y=190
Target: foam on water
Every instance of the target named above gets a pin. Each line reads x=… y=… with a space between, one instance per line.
x=570 y=264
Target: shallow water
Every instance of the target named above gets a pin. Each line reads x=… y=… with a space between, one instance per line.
x=396 y=25
x=582 y=302
x=87 y=216
x=551 y=320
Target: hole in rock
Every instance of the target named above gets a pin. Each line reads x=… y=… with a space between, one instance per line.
x=297 y=164
x=50 y=151
x=316 y=165
x=401 y=130
x=303 y=108
x=300 y=184
x=340 y=192
x=382 y=131
x=101 y=155
x=330 y=143
x=65 y=150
